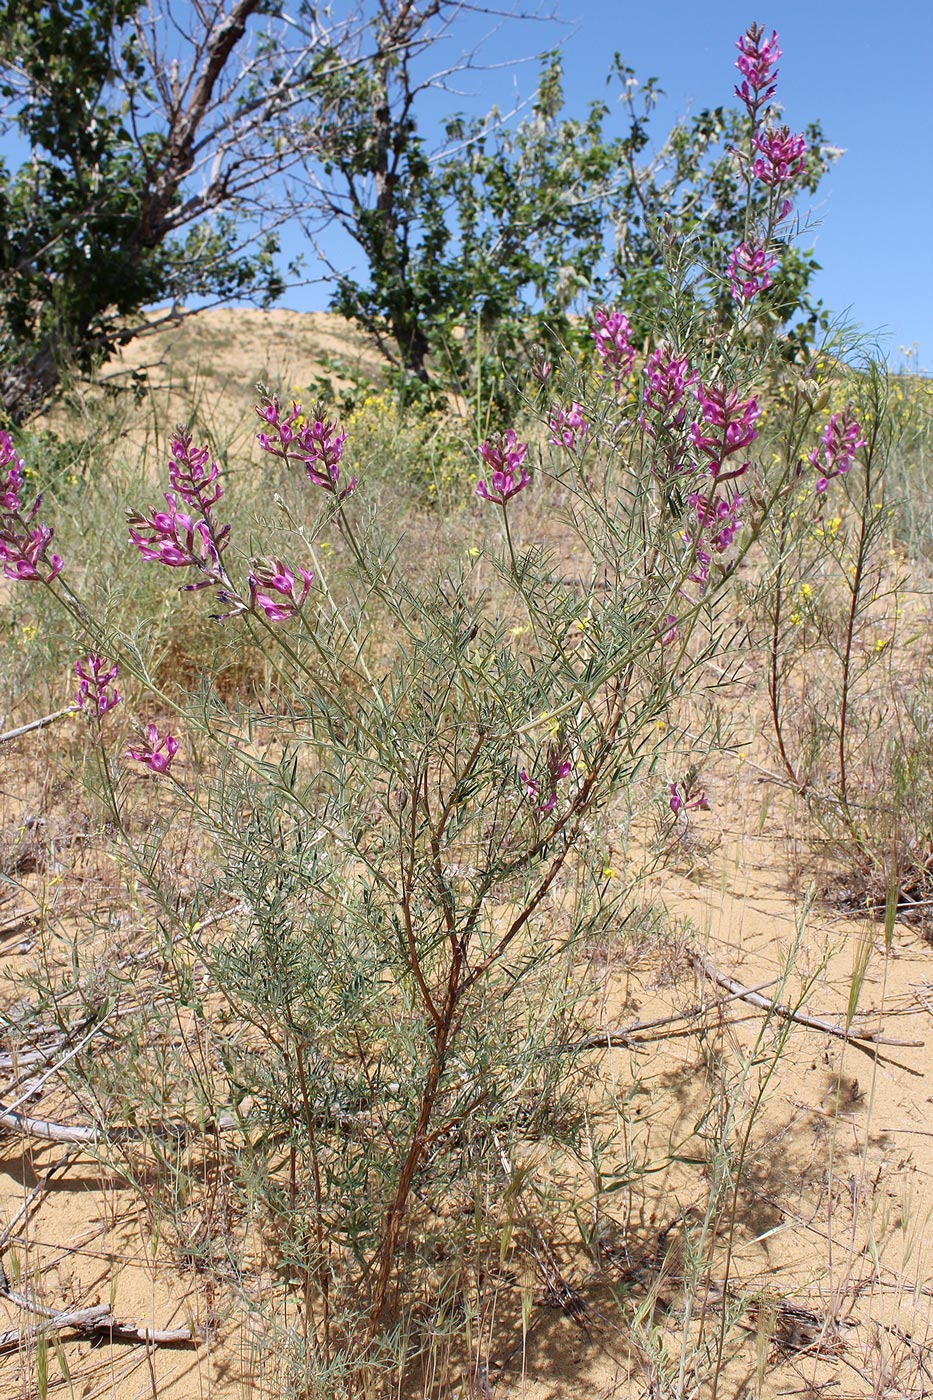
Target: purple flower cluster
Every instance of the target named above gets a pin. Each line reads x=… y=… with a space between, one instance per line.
x=158 y=753
x=272 y=588
x=664 y=404
x=730 y=427
x=727 y=427
x=24 y=544
x=96 y=691
x=316 y=442
x=685 y=797
x=568 y=427
x=781 y=156
x=186 y=539
x=558 y=766
x=749 y=271
x=191 y=538
x=841 y=439
x=505 y=456
x=612 y=343
x=757 y=62
x=717 y=525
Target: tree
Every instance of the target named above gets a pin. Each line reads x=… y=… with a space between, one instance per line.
x=514 y=225
x=154 y=136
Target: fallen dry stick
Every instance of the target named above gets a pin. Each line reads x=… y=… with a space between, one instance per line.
x=813 y=1023
x=48 y=1131
x=35 y=724
x=634 y=1033
x=87 y=1320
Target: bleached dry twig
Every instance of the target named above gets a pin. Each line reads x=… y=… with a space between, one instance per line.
x=813 y=1023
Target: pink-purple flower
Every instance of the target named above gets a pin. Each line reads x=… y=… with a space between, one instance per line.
x=664 y=400
x=757 y=62
x=781 y=156
x=186 y=539
x=612 y=343
x=158 y=753
x=96 y=691
x=749 y=271
x=558 y=766
x=177 y=539
x=316 y=442
x=272 y=589
x=192 y=473
x=841 y=439
x=505 y=456
x=717 y=519
x=568 y=427
x=732 y=421
x=24 y=544
x=686 y=797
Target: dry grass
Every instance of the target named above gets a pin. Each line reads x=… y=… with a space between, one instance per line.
x=751 y=1216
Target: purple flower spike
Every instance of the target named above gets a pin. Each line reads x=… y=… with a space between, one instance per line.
x=505 y=457
x=24 y=546
x=757 y=62
x=749 y=271
x=841 y=439
x=159 y=754
x=186 y=539
x=567 y=425
x=733 y=424
x=96 y=691
x=190 y=475
x=781 y=156
x=612 y=343
x=272 y=589
x=176 y=539
x=316 y=442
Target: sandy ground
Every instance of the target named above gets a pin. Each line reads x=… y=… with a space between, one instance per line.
x=830 y=1269
x=831 y=1241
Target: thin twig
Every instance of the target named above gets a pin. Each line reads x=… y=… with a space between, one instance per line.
x=632 y=1034
x=813 y=1023
x=83 y=1134
x=96 y=1319
x=35 y=724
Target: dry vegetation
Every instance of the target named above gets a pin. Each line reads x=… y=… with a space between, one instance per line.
x=743 y=1204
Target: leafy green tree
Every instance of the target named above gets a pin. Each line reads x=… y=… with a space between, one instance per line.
x=516 y=226
x=148 y=135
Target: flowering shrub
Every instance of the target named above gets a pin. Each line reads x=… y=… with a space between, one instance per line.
x=405 y=833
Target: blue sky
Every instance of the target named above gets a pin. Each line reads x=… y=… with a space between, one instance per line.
x=865 y=70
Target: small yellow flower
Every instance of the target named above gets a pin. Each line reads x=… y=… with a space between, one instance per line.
x=518 y=631
x=548 y=719
x=474 y=552
x=610 y=873
x=880 y=644
x=806 y=591
x=796 y=618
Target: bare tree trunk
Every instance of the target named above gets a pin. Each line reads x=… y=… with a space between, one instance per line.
x=25 y=386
